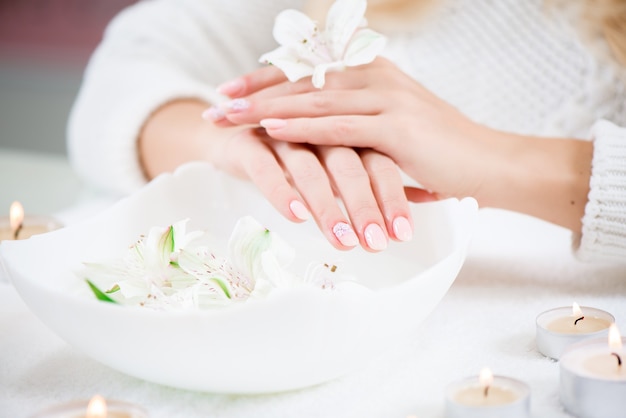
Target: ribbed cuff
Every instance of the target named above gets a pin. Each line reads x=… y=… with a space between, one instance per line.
x=604 y=223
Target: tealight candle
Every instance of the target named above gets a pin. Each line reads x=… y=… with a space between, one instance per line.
x=593 y=377
x=560 y=327
x=96 y=407
x=18 y=226
x=488 y=396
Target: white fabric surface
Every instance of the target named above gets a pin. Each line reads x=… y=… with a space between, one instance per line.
x=517 y=268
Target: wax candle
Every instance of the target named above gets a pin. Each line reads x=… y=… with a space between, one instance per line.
x=593 y=377
x=560 y=327
x=488 y=396
x=19 y=226
x=96 y=407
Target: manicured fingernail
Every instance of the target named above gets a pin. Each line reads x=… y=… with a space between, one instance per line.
x=231 y=88
x=213 y=113
x=345 y=234
x=375 y=237
x=273 y=123
x=402 y=229
x=299 y=210
x=237 y=105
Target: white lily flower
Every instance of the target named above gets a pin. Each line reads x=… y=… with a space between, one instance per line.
x=257 y=252
x=170 y=268
x=216 y=278
x=306 y=50
x=160 y=248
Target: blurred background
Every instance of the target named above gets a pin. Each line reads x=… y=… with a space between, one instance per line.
x=44 y=47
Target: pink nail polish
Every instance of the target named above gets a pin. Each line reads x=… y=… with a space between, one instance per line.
x=213 y=113
x=273 y=123
x=231 y=88
x=299 y=210
x=402 y=229
x=237 y=105
x=345 y=234
x=375 y=237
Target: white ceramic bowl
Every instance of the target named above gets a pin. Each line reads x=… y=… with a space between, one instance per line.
x=292 y=339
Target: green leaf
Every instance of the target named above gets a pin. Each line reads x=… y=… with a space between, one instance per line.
x=100 y=295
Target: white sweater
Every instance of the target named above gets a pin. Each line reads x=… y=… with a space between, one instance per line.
x=509 y=64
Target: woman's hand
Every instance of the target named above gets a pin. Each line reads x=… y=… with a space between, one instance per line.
x=374 y=106
x=294 y=177
x=377 y=106
x=299 y=180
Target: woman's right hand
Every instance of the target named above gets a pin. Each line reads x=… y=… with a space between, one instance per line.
x=378 y=106
x=375 y=106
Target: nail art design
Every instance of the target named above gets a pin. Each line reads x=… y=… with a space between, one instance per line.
x=237 y=105
x=341 y=229
x=345 y=234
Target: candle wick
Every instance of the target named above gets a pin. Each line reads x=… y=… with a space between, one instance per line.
x=16 y=233
x=486 y=391
x=619 y=359
x=576 y=321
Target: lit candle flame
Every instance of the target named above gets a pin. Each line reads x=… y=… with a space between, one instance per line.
x=97 y=407
x=615 y=339
x=486 y=379
x=577 y=313
x=615 y=344
x=16 y=217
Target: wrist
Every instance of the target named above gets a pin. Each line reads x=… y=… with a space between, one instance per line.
x=547 y=178
x=174 y=134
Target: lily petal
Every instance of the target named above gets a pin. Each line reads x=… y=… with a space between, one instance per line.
x=181 y=238
x=288 y=62
x=365 y=45
x=158 y=245
x=319 y=75
x=343 y=18
x=305 y=50
x=293 y=28
x=249 y=241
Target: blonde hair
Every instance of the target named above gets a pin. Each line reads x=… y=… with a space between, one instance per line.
x=608 y=18
x=383 y=15
x=601 y=18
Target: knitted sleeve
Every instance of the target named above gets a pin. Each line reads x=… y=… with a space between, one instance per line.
x=152 y=53
x=604 y=223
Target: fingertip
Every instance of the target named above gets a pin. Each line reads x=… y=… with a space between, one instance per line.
x=299 y=210
x=402 y=229
x=375 y=237
x=273 y=124
x=213 y=114
x=232 y=88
